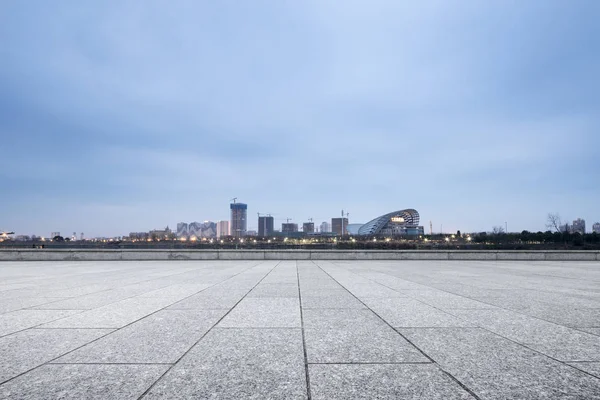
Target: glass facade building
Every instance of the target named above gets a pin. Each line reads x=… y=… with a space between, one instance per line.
x=397 y=223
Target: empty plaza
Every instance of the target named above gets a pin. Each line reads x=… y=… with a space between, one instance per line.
x=300 y=330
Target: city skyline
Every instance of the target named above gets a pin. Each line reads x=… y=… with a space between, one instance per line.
x=278 y=225
x=118 y=117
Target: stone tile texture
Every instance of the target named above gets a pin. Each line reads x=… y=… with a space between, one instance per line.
x=257 y=329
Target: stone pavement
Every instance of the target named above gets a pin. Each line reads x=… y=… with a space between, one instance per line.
x=300 y=329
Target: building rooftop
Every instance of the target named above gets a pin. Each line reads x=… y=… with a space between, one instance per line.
x=300 y=329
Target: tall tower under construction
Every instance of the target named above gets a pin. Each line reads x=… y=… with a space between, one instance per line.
x=238 y=219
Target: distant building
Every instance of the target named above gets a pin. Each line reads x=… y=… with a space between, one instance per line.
x=352 y=229
x=182 y=230
x=222 y=229
x=339 y=226
x=251 y=233
x=160 y=233
x=325 y=227
x=289 y=227
x=578 y=226
x=308 y=227
x=265 y=226
x=565 y=228
x=206 y=229
x=139 y=236
x=54 y=234
x=397 y=223
x=239 y=220
x=596 y=227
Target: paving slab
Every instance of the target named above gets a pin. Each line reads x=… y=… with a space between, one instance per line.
x=239 y=364
x=592 y=368
x=444 y=300
x=360 y=344
x=90 y=382
x=28 y=349
x=177 y=292
x=504 y=330
x=494 y=367
x=560 y=342
x=331 y=301
x=275 y=290
x=393 y=381
x=372 y=290
x=210 y=299
x=8 y=305
x=115 y=315
x=264 y=313
x=407 y=312
x=341 y=319
x=162 y=337
x=22 y=319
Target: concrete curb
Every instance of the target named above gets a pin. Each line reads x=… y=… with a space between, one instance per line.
x=179 y=254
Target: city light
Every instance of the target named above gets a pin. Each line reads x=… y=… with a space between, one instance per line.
x=447 y=239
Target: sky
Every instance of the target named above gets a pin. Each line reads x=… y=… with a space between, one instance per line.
x=121 y=116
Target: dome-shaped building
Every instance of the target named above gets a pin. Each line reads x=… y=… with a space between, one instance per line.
x=397 y=223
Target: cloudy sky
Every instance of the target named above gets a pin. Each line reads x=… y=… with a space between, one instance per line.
x=119 y=116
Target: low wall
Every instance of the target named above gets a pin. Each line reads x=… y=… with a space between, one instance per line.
x=176 y=254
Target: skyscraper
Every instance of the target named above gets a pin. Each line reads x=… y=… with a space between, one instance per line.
x=222 y=228
x=578 y=226
x=336 y=226
x=308 y=227
x=325 y=227
x=182 y=229
x=238 y=219
x=596 y=227
x=265 y=226
x=289 y=227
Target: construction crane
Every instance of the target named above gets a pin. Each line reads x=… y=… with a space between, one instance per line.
x=234 y=199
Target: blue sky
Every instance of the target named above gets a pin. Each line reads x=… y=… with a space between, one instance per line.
x=128 y=116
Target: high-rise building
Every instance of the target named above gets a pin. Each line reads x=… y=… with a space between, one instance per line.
x=336 y=226
x=222 y=228
x=265 y=226
x=289 y=227
x=237 y=228
x=308 y=227
x=578 y=226
x=54 y=234
x=596 y=227
x=325 y=227
x=182 y=229
x=206 y=229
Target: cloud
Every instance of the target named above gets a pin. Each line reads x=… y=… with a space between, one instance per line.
x=470 y=112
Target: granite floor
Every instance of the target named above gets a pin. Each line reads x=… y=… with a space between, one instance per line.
x=300 y=330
